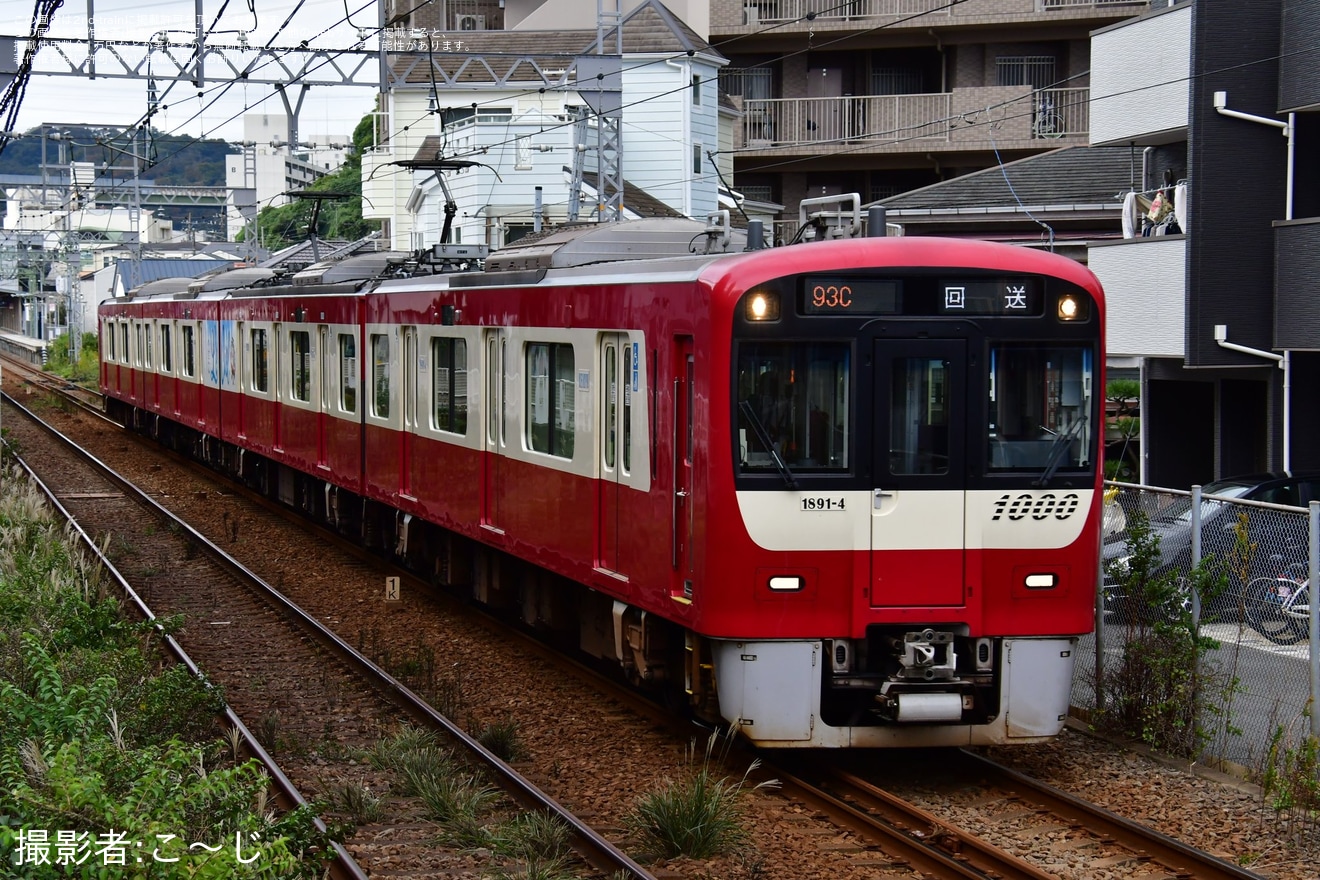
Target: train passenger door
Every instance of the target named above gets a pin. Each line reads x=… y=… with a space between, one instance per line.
x=683 y=442
x=408 y=436
x=614 y=405
x=917 y=532
x=495 y=348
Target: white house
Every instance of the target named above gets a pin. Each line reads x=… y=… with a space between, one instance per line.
x=498 y=110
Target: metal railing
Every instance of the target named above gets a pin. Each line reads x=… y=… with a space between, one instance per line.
x=877 y=118
x=1247 y=546
x=774 y=11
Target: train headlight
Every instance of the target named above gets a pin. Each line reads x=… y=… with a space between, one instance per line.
x=1071 y=307
x=782 y=583
x=762 y=306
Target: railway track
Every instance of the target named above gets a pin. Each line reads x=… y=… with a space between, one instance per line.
x=276 y=662
x=1024 y=815
x=929 y=842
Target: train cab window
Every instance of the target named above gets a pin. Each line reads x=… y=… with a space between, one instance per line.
x=794 y=404
x=551 y=393
x=919 y=439
x=300 y=366
x=189 y=350
x=166 y=354
x=380 y=375
x=348 y=373
x=1040 y=412
x=449 y=357
x=260 y=361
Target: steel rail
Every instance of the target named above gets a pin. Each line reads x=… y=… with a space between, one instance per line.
x=590 y=845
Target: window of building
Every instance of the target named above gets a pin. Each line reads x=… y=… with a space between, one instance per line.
x=550 y=398
x=260 y=362
x=450 y=359
x=696 y=90
x=696 y=160
x=380 y=375
x=348 y=373
x=1036 y=71
x=300 y=350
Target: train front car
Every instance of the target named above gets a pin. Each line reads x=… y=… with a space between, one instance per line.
x=905 y=552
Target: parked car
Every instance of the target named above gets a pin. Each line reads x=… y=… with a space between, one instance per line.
x=1277 y=541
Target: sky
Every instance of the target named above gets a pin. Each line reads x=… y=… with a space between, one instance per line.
x=328 y=113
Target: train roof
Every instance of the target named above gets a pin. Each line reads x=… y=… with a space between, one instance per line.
x=646 y=239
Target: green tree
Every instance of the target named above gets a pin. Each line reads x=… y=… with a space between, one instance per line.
x=341 y=219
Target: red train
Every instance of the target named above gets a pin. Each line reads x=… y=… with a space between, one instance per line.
x=843 y=493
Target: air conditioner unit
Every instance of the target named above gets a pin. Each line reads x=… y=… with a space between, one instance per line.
x=470 y=22
x=752 y=15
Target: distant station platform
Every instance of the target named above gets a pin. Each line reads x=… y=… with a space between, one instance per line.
x=26 y=347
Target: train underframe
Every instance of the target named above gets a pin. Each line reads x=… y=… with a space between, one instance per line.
x=900 y=685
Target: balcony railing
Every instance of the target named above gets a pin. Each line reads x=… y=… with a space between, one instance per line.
x=772 y=11
x=962 y=115
x=827 y=12
x=878 y=118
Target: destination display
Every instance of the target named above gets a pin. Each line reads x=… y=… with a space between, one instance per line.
x=844 y=295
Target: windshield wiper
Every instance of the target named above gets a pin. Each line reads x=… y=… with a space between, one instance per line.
x=763 y=437
x=1057 y=449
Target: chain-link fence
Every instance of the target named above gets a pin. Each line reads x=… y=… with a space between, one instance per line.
x=1239 y=571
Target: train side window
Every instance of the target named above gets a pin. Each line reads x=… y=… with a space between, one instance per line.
x=551 y=393
x=300 y=373
x=144 y=337
x=449 y=357
x=628 y=367
x=260 y=361
x=166 y=354
x=123 y=338
x=189 y=351
x=380 y=375
x=348 y=373
x=110 y=342
x=609 y=386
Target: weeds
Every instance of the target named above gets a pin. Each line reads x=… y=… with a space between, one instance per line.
x=504 y=740
x=539 y=842
x=357 y=801
x=1290 y=777
x=699 y=817
x=1162 y=687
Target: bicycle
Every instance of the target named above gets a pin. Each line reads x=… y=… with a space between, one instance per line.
x=1279 y=608
x=1047 y=123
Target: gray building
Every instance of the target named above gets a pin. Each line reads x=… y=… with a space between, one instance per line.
x=1222 y=313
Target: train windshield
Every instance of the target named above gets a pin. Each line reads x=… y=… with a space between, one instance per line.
x=1040 y=407
x=793 y=406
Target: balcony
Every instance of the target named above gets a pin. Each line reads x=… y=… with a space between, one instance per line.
x=1145 y=284
x=853 y=14
x=1296 y=283
x=963 y=118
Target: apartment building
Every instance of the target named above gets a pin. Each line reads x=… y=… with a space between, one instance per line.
x=881 y=97
x=1222 y=315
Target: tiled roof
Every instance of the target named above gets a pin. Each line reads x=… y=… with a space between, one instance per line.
x=1080 y=175
x=488 y=55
